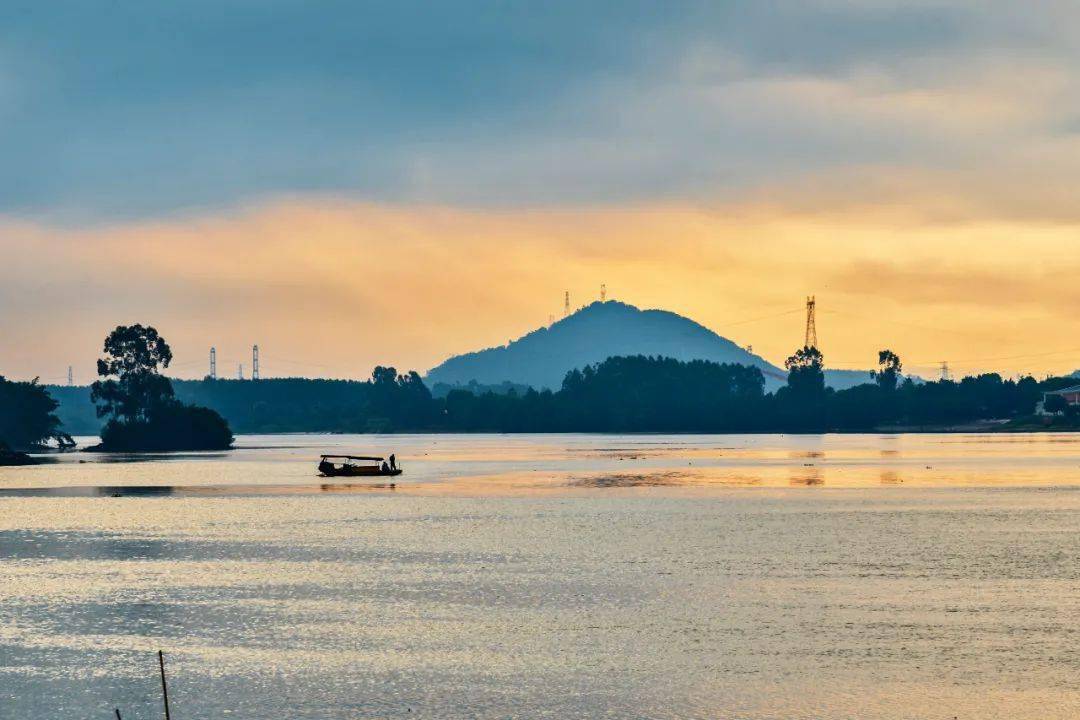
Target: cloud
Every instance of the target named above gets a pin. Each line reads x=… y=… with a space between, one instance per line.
x=362 y=182
x=210 y=106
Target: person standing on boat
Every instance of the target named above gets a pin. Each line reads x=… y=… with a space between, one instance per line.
x=393 y=462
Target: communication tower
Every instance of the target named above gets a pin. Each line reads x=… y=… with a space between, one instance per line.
x=213 y=363
x=254 y=362
x=240 y=371
x=566 y=303
x=945 y=375
x=603 y=292
x=71 y=377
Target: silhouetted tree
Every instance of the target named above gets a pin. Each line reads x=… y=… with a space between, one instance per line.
x=801 y=404
x=27 y=416
x=888 y=373
x=1055 y=404
x=143 y=411
x=132 y=389
x=806 y=372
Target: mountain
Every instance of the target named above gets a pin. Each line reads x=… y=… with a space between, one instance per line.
x=596 y=332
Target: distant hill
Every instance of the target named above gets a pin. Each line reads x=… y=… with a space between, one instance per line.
x=844 y=379
x=596 y=332
x=602 y=330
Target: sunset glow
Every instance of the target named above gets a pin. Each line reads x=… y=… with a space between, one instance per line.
x=915 y=164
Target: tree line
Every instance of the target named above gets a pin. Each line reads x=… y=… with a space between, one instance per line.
x=147 y=411
x=648 y=394
x=137 y=403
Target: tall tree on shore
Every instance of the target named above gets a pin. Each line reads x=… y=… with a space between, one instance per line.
x=144 y=414
x=888 y=373
x=27 y=416
x=132 y=388
x=801 y=404
x=806 y=372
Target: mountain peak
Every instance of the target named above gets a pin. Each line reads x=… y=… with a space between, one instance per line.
x=590 y=335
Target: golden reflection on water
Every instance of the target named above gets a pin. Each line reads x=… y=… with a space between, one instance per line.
x=576 y=464
x=759 y=577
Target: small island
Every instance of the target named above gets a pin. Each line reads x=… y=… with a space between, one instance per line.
x=143 y=412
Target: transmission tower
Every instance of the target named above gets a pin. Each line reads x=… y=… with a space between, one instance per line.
x=71 y=377
x=254 y=362
x=603 y=292
x=566 y=304
x=240 y=371
x=811 y=323
x=213 y=363
x=945 y=370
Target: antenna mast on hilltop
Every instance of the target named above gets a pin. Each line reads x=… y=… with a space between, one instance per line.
x=254 y=362
x=566 y=304
x=945 y=370
x=603 y=292
x=71 y=377
x=811 y=323
x=213 y=363
x=240 y=371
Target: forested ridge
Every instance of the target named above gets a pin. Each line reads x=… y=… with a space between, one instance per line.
x=620 y=394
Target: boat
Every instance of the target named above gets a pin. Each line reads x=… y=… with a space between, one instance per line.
x=355 y=466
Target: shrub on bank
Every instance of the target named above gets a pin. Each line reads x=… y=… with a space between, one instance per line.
x=172 y=427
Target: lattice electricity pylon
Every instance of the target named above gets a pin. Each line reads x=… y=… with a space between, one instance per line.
x=213 y=363
x=811 y=322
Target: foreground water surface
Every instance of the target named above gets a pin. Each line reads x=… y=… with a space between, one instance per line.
x=855 y=576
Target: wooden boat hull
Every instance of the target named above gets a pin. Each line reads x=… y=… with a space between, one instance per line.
x=359 y=472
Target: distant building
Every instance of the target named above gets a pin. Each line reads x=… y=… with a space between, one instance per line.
x=1070 y=394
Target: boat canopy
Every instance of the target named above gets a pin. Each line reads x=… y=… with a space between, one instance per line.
x=352 y=457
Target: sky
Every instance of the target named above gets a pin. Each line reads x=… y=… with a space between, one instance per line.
x=356 y=183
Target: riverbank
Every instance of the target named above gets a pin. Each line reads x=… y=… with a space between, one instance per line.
x=11 y=458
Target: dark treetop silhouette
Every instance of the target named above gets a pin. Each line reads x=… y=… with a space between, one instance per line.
x=27 y=420
x=143 y=412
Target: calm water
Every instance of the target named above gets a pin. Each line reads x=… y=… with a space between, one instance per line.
x=551 y=577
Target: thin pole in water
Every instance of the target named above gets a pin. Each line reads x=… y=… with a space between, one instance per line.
x=164 y=687
x=117 y=711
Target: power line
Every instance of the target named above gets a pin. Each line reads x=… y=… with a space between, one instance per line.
x=887 y=321
x=760 y=318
